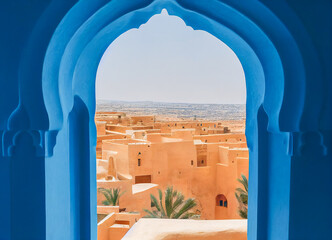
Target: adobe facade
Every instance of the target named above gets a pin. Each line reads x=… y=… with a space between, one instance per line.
x=199 y=158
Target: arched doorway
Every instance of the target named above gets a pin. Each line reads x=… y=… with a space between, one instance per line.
x=90 y=27
x=85 y=47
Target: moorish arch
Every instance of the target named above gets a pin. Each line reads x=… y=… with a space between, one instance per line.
x=288 y=107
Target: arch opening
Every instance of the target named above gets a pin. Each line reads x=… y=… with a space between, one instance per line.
x=221 y=201
x=78 y=62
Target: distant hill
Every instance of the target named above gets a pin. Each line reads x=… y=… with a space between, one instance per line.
x=177 y=110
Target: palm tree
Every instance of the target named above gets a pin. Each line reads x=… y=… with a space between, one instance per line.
x=112 y=196
x=175 y=205
x=242 y=197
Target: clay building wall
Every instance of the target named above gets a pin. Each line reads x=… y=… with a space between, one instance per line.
x=145 y=120
x=233 y=163
x=171 y=153
x=228 y=137
x=101 y=127
x=121 y=160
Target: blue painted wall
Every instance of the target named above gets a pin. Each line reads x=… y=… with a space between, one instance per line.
x=50 y=51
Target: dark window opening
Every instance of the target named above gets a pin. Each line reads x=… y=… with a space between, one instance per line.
x=139 y=162
x=201 y=161
x=221 y=201
x=192 y=162
x=143 y=179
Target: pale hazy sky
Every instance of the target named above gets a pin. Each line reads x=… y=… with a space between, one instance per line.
x=167 y=61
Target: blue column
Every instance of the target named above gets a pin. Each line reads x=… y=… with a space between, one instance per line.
x=310 y=186
x=27 y=190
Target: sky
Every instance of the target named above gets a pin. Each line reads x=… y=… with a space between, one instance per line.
x=166 y=61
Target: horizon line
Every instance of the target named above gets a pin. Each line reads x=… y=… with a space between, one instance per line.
x=151 y=101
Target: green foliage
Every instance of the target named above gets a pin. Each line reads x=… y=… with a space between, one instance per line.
x=242 y=197
x=173 y=206
x=112 y=196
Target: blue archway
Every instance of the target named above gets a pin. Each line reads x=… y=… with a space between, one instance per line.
x=288 y=105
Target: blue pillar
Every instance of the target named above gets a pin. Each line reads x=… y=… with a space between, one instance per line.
x=27 y=189
x=310 y=186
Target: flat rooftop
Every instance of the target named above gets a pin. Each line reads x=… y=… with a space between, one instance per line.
x=183 y=229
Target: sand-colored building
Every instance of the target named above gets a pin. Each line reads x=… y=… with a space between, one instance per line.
x=201 y=159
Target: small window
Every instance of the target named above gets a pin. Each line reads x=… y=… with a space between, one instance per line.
x=221 y=201
x=143 y=179
x=192 y=162
x=202 y=161
x=175 y=124
x=205 y=140
x=182 y=126
x=139 y=162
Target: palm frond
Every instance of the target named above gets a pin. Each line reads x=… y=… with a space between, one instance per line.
x=188 y=204
x=175 y=205
x=169 y=201
x=244 y=182
x=162 y=210
x=112 y=195
x=242 y=197
x=153 y=214
x=155 y=202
